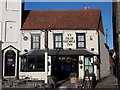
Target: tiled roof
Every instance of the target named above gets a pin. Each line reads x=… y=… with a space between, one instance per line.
x=63 y=19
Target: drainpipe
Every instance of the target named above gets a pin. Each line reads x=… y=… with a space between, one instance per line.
x=99 y=54
x=46 y=56
x=0 y=65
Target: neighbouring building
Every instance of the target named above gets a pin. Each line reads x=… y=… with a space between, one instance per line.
x=10 y=34
x=116 y=35
x=112 y=61
x=39 y=43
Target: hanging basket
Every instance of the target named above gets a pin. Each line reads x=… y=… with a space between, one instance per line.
x=81 y=62
x=96 y=63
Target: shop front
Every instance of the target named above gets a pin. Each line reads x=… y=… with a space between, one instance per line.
x=64 y=66
x=60 y=64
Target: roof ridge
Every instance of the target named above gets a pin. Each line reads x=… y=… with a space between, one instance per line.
x=70 y=10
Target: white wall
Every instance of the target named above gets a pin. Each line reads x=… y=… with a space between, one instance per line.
x=13 y=14
x=27 y=44
x=104 y=57
x=89 y=43
x=81 y=71
x=10 y=25
x=1 y=10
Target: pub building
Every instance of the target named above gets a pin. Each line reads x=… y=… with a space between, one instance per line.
x=61 y=42
x=42 y=43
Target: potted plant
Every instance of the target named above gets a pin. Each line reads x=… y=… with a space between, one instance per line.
x=96 y=63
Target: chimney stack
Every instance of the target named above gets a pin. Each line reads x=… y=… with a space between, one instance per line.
x=85 y=8
x=88 y=8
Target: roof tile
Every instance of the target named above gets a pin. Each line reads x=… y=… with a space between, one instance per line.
x=62 y=19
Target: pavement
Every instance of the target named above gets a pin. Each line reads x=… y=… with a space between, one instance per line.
x=68 y=84
x=109 y=82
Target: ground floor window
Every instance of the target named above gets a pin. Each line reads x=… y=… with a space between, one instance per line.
x=32 y=63
x=88 y=65
x=63 y=66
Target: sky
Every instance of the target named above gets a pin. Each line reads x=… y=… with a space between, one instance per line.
x=106 y=8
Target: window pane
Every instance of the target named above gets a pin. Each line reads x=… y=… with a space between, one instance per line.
x=88 y=64
x=80 y=44
x=58 y=41
x=86 y=61
x=34 y=45
x=59 y=38
x=89 y=61
x=59 y=44
x=33 y=38
x=56 y=45
x=90 y=69
x=33 y=63
x=86 y=67
x=80 y=38
x=37 y=45
x=56 y=38
x=37 y=39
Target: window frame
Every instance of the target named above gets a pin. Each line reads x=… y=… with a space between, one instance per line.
x=57 y=34
x=35 y=42
x=26 y=62
x=78 y=34
x=89 y=65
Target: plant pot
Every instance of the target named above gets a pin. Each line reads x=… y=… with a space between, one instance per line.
x=73 y=79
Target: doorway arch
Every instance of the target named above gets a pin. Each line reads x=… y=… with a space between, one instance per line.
x=10 y=58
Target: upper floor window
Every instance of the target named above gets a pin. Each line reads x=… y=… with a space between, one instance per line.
x=35 y=41
x=58 y=40
x=80 y=40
